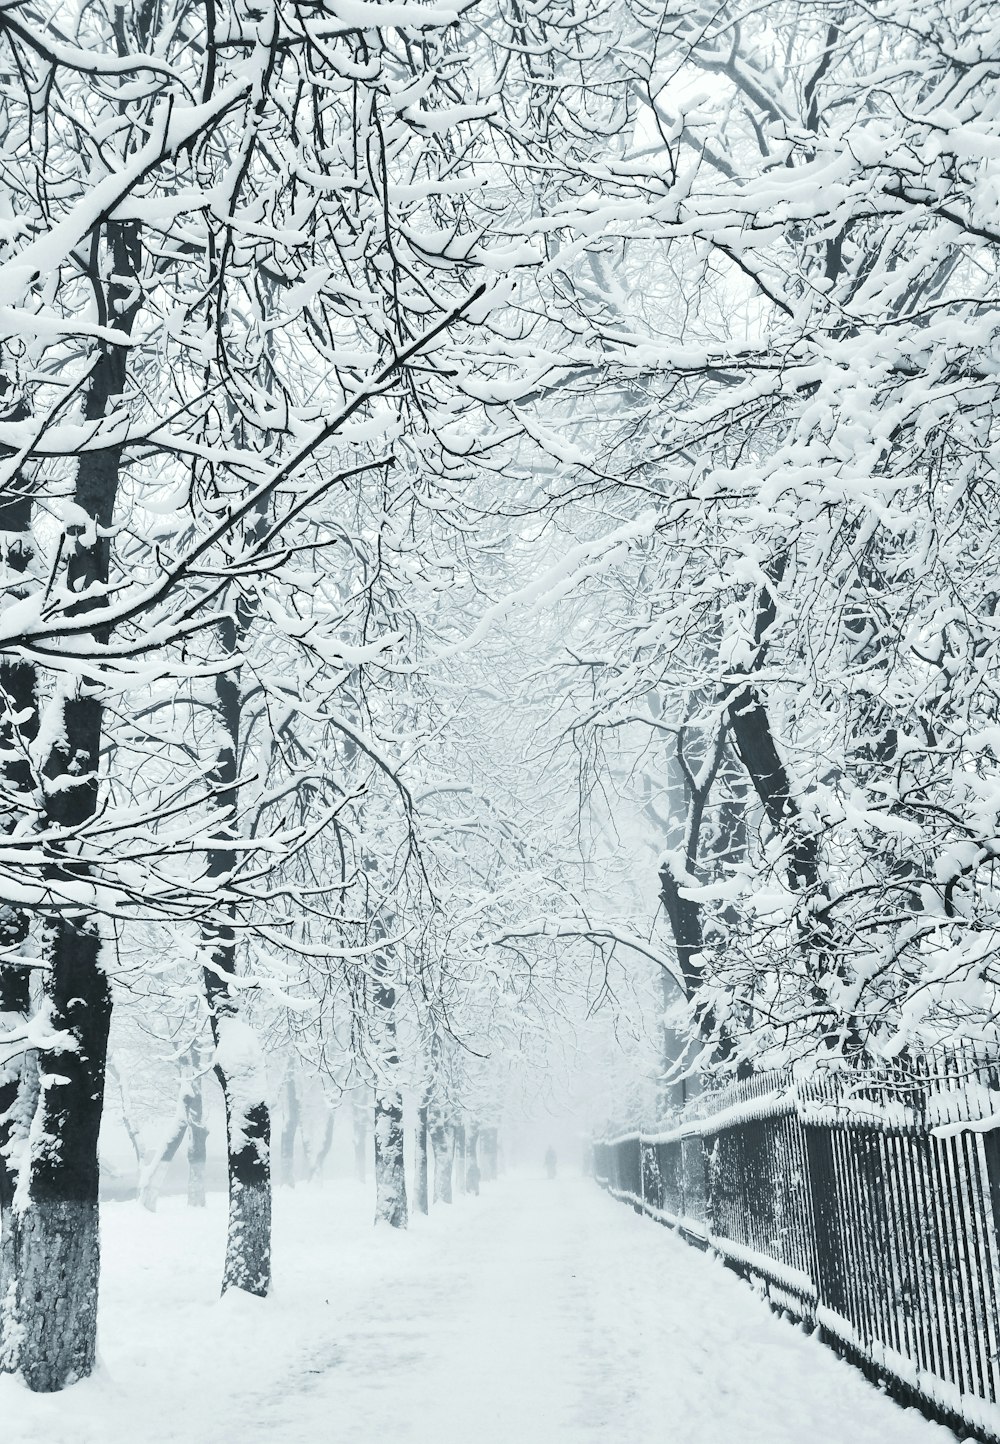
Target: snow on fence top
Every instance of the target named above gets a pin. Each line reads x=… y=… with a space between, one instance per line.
x=953 y=1089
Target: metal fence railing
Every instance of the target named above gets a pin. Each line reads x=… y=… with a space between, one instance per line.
x=868 y=1204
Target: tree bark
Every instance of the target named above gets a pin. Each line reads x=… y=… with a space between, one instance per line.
x=459 y=1170
x=390 y=1175
x=684 y=916
x=239 y=1065
x=758 y=752
x=471 y=1155
x=59 y=1245
x=194 y=1112
x=316 y=1158
x=248 y=1242
x=126 y=1111
x=197 y=1151
x=18 y=730
x=420 y=1163
x=443 y=1143
x=58 y=1249
x=488 y=1155
x=359 y=1123
x=155 y=1170
x=17 y=1122
x=12 y=1084
x=289 y=1128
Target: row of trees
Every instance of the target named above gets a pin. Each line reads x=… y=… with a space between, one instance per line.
x=269 y=283
x=789 y=664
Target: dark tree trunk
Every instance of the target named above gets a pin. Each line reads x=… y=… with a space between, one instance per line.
x=758 y=752
x=126 y=1112
x=248 y=1242
x=488 y=1155
x=459 y=1134
x=17 y=1121
x=10 y=1080
x=239 y=1066
x=443 y=1143
x=14 y=1076
x=155 y=1170
x=390 y=1175
x=188 y=1121
x=359 y=1125
x=194 y=1112
x=684 y=916
x=58 y=1247
x=420 y=1203
x=316 y=1158
x=289 y=1128
x=18 y=729
x=472 y=1157
x=197 y=1151
x=755 y=744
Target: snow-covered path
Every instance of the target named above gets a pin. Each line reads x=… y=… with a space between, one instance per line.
x=538 y=1314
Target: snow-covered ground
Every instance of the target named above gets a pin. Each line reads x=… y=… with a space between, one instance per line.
x=540 y=1313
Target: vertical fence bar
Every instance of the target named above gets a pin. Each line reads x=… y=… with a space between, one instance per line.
x=978 y=1259
x=846 y=1196
x=905 y=1250
x=957 y=1243
x=991 y=1265
x=829 y=1241
x=875 y=1219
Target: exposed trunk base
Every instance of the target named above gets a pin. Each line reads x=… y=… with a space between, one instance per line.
x=8 y=1103
x=315 y=1160
x=290 y=1127
x=248 y=1243
x=51 y=1337
x=390 y=1177
x=360 y=1127
x=194 y=1112
x=196 y=1167
x=420 y=1164
x=488 y=1149
x=443 y=1143
x=248 y=1246
x=22 y=1101
x=473 y=1173
x=460 y=1156
x=10 y=1329
x=155 y=1171
x=51 y=1319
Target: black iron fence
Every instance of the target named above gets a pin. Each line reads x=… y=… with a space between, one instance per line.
x=869 y=1205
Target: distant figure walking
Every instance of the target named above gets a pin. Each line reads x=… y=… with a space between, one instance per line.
x=550 y=1162
x=472 y=1178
